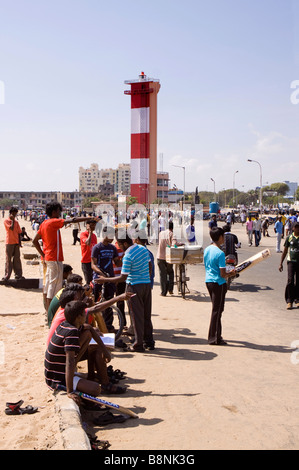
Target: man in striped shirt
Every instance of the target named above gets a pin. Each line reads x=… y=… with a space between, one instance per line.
x=63 y=351
x=136 y=272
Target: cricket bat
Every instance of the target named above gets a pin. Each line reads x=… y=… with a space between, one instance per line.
x=100 y=401
x=253 y=260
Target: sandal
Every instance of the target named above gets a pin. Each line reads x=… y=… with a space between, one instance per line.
x=113 y=389
x=108 y=418
x=115 y=374
x=97 y=444
x=15 y=409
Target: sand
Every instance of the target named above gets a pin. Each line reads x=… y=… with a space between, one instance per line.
x=187 y=394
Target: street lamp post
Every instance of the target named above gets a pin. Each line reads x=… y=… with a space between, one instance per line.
x=183 y=168
x=234 y=187
x=261 y=181
x=214 y=190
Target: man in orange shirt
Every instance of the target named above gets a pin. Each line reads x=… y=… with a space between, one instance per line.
x=12 y=246
x=51 y=250
x=88 y=240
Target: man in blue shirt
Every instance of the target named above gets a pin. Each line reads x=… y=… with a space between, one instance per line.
x=103 y=255
x=214 y=261
x=136 y=272
x=278 y=229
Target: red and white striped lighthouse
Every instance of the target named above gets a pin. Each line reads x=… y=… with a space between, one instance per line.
x=143 y=138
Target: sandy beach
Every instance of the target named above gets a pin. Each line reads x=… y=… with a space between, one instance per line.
x=187 y=394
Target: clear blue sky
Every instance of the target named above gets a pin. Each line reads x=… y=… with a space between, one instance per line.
x=225 y=69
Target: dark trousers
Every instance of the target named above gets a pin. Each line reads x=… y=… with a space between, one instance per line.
x=109 y=291
x=140 y=307
x=292 y=287
x=257 y=237
x=166 y=276
x=217 y=293
x=13 y=261
x=75 y=236
x=87 y=272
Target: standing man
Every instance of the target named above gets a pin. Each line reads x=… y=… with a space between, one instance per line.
x=88 y=240
x=213 y=221
x=291 y=250
x=278 y=229
x=51 y=250
x=166 y=238
x=257 y=226
x=136 y=272
x=12 y=246
x=249 y=230
x=214 y=261
x=103 y=255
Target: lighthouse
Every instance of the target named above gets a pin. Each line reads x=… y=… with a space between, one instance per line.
x=143 y=93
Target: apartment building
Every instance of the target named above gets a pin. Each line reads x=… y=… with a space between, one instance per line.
x=90 y=179
x=123 y=179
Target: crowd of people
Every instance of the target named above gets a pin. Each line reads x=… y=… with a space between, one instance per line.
x=119 y=269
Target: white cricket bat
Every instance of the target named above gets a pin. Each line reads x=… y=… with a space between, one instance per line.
x=253 y=260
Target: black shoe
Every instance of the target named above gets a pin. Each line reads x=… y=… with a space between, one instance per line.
x=222 y=343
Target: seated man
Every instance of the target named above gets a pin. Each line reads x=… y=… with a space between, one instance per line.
x=54 y=305
x=97 y=355
x=24 y=236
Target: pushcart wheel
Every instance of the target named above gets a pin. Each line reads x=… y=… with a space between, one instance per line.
x=182 y=281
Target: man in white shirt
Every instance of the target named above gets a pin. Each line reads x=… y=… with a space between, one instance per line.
x=166 y=238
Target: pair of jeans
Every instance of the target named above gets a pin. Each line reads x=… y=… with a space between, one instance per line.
x=292 y=287
x=257 y=237
x=278 y=241
x=166 y=276
x=217 y=293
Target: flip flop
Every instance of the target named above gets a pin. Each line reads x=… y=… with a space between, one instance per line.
x=17 y=410
x=108 y=418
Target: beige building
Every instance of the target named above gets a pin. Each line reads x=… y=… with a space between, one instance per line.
x=123 y=179
x=90 y=179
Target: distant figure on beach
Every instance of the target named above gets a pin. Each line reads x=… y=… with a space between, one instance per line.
x=12 y=246
x=24 y=235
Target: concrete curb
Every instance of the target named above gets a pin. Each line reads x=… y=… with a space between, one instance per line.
x=73 y=435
